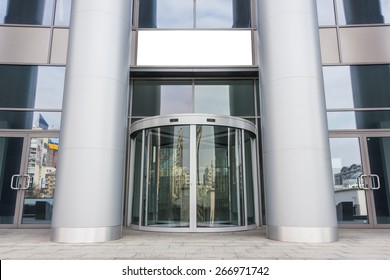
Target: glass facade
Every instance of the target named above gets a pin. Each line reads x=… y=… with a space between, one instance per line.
x=35 y=12
x=173 y=14
x=357 y=96
x=31 y=96
x=222 y=97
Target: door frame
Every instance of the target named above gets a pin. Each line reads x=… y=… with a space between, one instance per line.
x=362 y=136
x=19 y=202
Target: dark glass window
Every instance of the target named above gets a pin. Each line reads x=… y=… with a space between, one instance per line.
x=31 y=87
x=363 y=11
x=221 y=97
x=225 y=97
x=358 y=96
x=194 y=14
x=326 y=14
x=151 y=98
x=36 y=12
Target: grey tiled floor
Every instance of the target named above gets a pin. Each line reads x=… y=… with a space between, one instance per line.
x=23 y=244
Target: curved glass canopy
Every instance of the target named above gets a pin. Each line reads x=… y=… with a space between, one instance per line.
x=193 y=173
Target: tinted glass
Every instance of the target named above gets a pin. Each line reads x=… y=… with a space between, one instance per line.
x=62 y=16
x=36 y=12
x=363 y=11
x=359 y=120
x=151 y=98
x=361 y=86
x=222 y=13
x=326 y=14
x=194 y=14
x=166 y=14
x=234 y=98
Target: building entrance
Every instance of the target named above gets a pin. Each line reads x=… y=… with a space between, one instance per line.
x=361 y=171
x=193 y=173
x=28 y=164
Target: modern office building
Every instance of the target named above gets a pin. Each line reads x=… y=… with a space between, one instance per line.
x=194 y=116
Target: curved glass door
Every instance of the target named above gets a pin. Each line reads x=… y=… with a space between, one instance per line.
x=192 y=176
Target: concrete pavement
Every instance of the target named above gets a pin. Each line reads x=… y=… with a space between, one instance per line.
x=353 y=244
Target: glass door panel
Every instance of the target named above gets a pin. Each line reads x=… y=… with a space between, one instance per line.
x=351 y=204
x=219 y=176
x=167 y=186
x=11 y=150
x=41 y=168
x=379 y=157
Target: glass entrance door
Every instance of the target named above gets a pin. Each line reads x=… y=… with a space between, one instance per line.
x=27 y=179
x=193 y=175
x=361 y=170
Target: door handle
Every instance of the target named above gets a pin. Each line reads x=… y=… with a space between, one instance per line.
x=19 y=184
x=362 y=184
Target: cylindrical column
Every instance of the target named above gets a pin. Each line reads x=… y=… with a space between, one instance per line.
x=297 y=167
x=88 y=198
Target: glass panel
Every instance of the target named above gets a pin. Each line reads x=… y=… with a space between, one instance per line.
x=360 y=120
x=233 y=98
x=250 y=206
x=36 y=12
x=166 y=187
x=166 y=14
x=62 y=16
x=135 y=219
x=10 y=157
x=219 y=177
x=42 y=167
x=326 y=14
x=362 y=86
x=351 y=203
x=152 y=98
x=222 y=13
x=379 y=154
x=30 y=120
x=363 y=11
x=31 y=86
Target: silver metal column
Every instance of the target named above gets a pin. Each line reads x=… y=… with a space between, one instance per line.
x=297 y=167
x=88 y=198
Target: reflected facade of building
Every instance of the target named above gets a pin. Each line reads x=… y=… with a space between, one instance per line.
x=195 y=117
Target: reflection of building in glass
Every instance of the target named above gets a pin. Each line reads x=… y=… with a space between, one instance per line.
x=347 y=177
x=42 y=168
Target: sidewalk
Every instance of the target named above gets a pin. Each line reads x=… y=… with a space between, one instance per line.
x=353 y=244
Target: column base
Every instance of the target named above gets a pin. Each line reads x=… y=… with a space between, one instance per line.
x=86 y=235
x=303 y=234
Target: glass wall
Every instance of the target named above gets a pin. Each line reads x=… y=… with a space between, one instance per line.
x=31 y=96
x=35 y=12
x=222 y=97
x=173 y=14
x=357 y=97
x=351 y=12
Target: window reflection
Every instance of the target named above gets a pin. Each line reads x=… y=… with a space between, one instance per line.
x=350 y=200
x=194 y=14
x=233 y=98
x=363 y=11
x=151 y=98
x=62 y=16
x=36 y=12
x=326 y=14
x=358 y=86
x=30 y=87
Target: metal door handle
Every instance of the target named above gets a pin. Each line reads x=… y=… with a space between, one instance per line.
x=362 y=184
x=19 y=186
